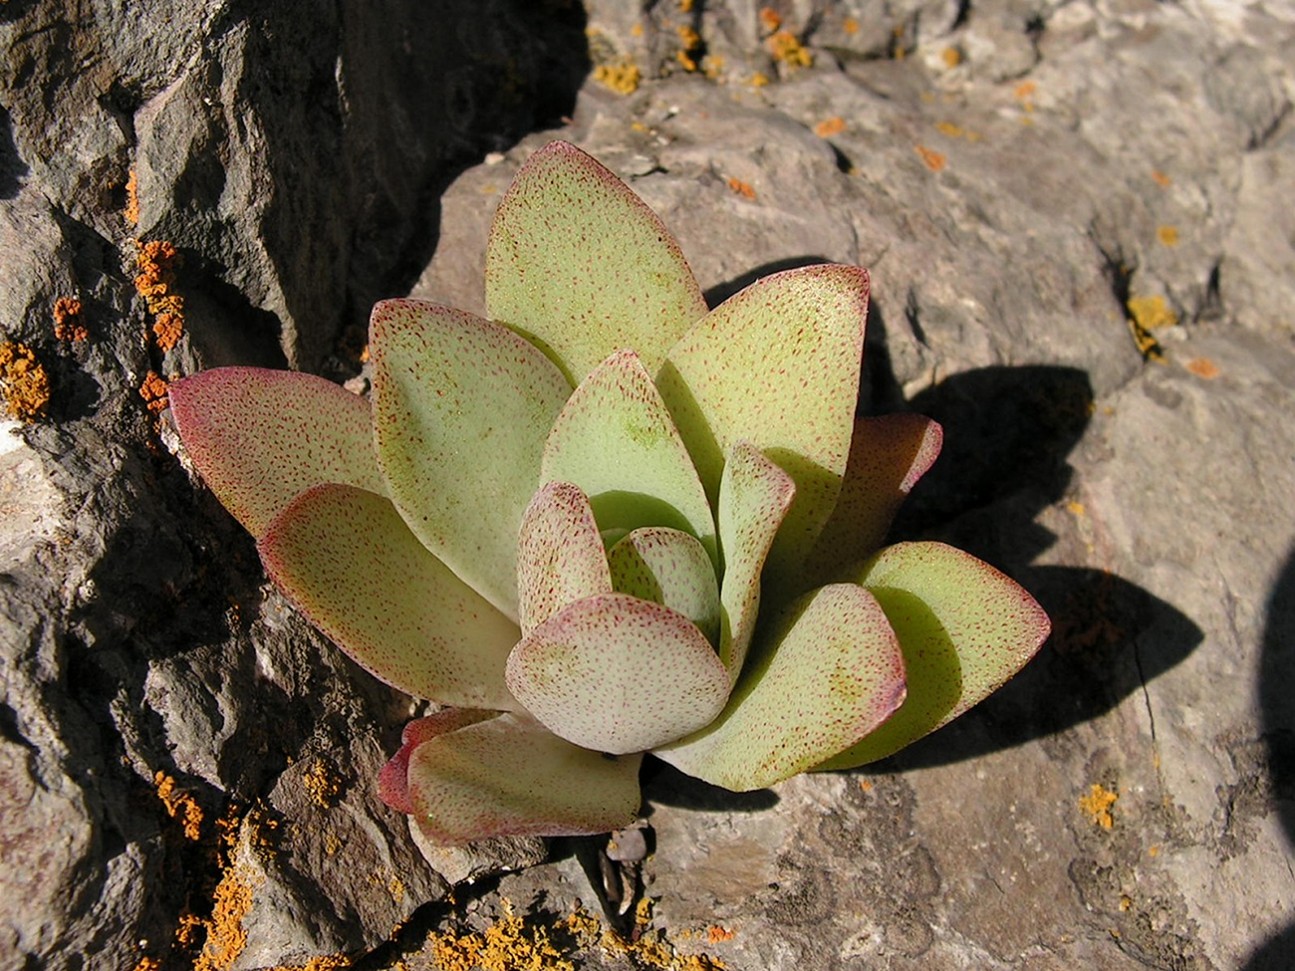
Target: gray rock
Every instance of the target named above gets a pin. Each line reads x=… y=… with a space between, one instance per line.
x=1013 y=203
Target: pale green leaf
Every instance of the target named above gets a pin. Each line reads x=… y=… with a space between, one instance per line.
x=579 y=265
x=671 y=568
x=509 y=776
x=776 y=365
x=618 y=674
x=964 y=627
x=888 y=454
x=461 y=409
x=754 y=496
x=347 y=560
x=616 y=440
x=259 y=438
x=829 y=674
x=560 y=557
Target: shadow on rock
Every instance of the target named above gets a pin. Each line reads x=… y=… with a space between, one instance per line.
x=665 y=785
x=720 y=292
x=1276 y=689
x=1008 y=432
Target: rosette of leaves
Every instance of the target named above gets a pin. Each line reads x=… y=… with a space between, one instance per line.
x=608 y=521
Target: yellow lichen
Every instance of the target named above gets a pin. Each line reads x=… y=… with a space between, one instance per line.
x=68 y=325
x=324 y=787
x=1168 y=235
x=690 y=51
x=1151 y=312
x=623 y=76
x=24 y=383
x=951 y=56
x=785 y=48
x=509 y=944
x=179 y=805
x=1096 y=805
x=647 y=949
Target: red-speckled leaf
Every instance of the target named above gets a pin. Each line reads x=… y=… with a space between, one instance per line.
x=616 y=440
x=776 y=365
x=560 y=555
x=754 y=496
x=888 y=455
x=578 y=264
x=260 y=438
x=669 y=567
x=830 y=674
x=461 y=407
x=393 y=778
x=347 y=560
x=964 y=628
x=618 y=674
x=511 y=777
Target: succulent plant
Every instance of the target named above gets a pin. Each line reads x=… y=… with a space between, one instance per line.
x=609 y=521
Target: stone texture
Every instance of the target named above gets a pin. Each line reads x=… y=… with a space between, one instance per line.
x=1022 y=178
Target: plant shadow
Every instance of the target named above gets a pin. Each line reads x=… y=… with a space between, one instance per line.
x=1276 y=689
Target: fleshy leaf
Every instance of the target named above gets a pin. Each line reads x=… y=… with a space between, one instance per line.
x=777 y=365
x=560 y=555
x=964 y=627
x=578 y=264
x=616 y=440
x=393 y=778
x=509 y=776
x=618 y=674
x=754 y=496
x=830 y=675
x=348 y=562
x=669 y=567
x=261 y=437
x=888 y=455
x=461 y=407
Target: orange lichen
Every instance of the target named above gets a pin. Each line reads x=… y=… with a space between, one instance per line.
x=1025 y=90
x=24 y=383
x=623 y=76
x=68 y=325
x=131 y=212
x=1096 y=805
x=1161 y=179
x=226 y=936
x=830 y=126
x=1203 y=367
x=685 y=6
x=328 y=962
x=179 y=805
x=785 y=48
x=1167 y=235
x=324 y=787
x=850 y=25
x=167 y=330
x=147 y=964
x=744 y=189
x=156 y=262
x=933 y=160
x=154 y=393
x=770 y=19
x=717 y=935
x=951 y=56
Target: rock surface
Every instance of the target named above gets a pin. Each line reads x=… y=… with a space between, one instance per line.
x=1082 y=266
